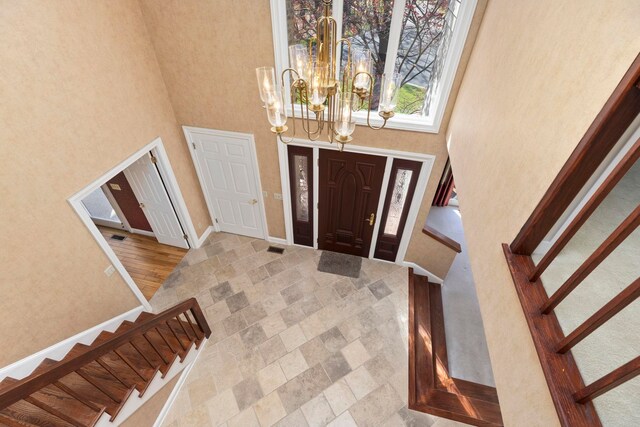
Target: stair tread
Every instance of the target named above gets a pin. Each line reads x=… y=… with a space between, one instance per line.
x=82 y=387
x=30 y=414
x=57 y=399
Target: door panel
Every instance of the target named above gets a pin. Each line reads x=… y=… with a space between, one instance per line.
x=130 y=206
x=350 y=185
x=229 y=180
x=301 y=191
x=148 y=188
x=402 y=185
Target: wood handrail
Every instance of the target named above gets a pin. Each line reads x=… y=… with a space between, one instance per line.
x=604 y=250
x=28 y=385
x=603 y=191
x=613 y=379
x=447 y=241
x=613 y=307
x=612 y=121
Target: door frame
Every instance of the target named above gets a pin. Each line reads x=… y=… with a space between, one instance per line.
x=173 y=190
x=427 y=161
x=188 y=133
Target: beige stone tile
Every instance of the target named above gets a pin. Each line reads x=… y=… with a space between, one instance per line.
x=378 y=405
x=360 y=382
x=271 y=377
x=312 y=326
x=294 y=419
x=273 y=325
x=339 y=396
x=314 y=351
x=303 y=388
x=344 y=420
x=269 y=410
x=247 y=392
x=394 y=420
x=196 y=417
x=293 y=364
x=272 y=349
x=356 y=354
x=293 y=337
x=217 y=312
x=202 y=389
x=246 y=418
x=317 y=411
x=221 y=408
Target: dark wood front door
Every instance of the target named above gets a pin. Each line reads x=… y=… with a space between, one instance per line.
x=350 y=186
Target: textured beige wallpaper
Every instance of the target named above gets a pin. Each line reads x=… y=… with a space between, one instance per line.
x=538 y=75
x=80 y=91
x=208 y=52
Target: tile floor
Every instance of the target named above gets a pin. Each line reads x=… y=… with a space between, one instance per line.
x=292 y=346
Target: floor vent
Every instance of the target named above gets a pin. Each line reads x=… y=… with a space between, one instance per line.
x=118 y=237
x=275 y=249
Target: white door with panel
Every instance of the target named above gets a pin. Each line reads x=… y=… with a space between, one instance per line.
x=228 y=176
x=147 y=185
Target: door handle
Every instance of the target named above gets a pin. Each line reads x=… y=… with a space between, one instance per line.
x=371 y=219
x=142 y=205
x=253 y=201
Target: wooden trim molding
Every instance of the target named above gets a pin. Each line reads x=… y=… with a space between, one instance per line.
x=620 y=110
x=431 y=389
x=560 y=369
x=445 y=240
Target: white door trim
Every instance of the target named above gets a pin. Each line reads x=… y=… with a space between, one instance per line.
x=116 y=207
x=174 y=194
x=188 y=133
x=427 y=161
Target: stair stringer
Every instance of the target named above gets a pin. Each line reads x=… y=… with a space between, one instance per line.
x=135 y=401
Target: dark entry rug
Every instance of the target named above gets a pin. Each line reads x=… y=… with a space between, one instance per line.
x=342 y=264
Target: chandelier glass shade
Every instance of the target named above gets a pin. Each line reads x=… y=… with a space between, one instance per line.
x=323 y=92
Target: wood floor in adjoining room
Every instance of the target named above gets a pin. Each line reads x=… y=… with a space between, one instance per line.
x=147 y=261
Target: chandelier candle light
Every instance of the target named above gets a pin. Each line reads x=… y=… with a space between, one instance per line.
x=326 y=103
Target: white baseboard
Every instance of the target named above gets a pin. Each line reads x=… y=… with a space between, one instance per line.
x=423 y=272
x=176 y=389
x=24 y=367
x=204 y=236
x=142 y=232
x=276 y=240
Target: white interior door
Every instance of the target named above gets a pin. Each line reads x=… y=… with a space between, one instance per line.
x=154 y=201
x=229 y=180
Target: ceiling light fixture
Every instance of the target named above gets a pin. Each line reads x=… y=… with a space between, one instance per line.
x=326 y=103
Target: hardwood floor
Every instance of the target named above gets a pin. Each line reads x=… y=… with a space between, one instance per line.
x=147 y=261
x=431 y=388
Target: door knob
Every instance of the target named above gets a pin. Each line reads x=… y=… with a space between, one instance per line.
x=142 y=205
x=253 y=201
x=371 y=219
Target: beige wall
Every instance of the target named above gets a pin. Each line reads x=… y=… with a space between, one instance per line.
x=208 y=52
x=538 y=75
x=148 y=413
x=80 y=91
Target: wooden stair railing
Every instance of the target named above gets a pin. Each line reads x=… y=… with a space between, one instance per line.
x=431 y=389
x=99 y=378
x=572 y=399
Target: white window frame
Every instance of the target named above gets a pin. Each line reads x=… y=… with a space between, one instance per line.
x=430 y=123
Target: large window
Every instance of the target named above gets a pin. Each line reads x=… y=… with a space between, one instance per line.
x=420 y=39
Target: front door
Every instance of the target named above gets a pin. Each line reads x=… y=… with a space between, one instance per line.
x=148 y=188
x=229 y=180
x=350 y=185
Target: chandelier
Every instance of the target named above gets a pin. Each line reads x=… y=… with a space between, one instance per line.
x=327 y=93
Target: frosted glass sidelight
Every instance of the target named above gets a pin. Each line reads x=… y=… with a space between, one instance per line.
x=302 y=188
x=398 y=200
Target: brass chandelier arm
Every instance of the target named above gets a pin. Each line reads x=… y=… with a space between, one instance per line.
x=370 y=99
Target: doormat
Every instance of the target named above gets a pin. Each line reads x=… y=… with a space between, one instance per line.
x=275 y=250
x=118 y=237
x=342 y=264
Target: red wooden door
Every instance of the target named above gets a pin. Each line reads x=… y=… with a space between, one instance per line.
x=350 y=185
x=129 y=205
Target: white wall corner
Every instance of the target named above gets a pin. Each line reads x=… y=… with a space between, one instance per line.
x=420 y=271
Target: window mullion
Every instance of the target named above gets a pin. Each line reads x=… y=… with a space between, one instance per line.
x=338 y=13
x=394 y=35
